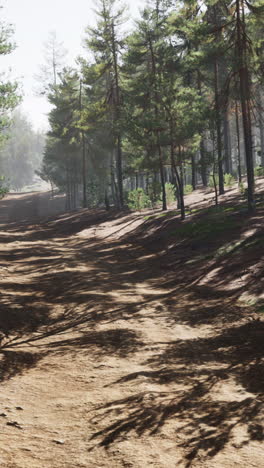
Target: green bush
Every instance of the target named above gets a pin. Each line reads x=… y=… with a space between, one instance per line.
x=229 y=180
x=3 y=189
x=154 y=190
x=170 y=192
x=188 y=189
x=259 y=171
x=138 y=200
x=241 y=188
x=211 y=180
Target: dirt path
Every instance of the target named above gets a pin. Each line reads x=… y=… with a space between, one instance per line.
x=111 y=359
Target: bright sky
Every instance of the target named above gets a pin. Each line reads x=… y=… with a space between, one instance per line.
x=33 y=20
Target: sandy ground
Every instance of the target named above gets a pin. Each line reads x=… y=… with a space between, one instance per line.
x=115 y=352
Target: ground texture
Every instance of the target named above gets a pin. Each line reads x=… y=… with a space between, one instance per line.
x=131 y=340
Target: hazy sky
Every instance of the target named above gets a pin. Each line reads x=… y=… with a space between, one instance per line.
x=33 y=20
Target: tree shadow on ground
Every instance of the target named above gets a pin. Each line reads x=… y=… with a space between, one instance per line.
x=13 y=363
x=118 y=342
x=81 y=275
x=209 y=418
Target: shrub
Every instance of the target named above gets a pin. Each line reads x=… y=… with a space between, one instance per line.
x=229 y=180
x=170 y=192
x=211 y=180
x=154 y=189
x=188 y=189
x=241 y=188
x=138 y=200
x=259 y=171
x=3 y=189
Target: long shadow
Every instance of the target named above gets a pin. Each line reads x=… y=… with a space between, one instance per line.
x=173 y=266
x=208 y=420
x=119 y=342
x=13 y=363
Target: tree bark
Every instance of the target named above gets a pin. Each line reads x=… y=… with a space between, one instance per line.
x=244 y=83
x=238 y=147
x=117 y=112
x=218 y=131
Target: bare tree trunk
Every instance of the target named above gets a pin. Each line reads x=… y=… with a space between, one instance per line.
x=203 y=163
x=181 y=186
x=68 y=200
x=162 y=178
x=193 y=172
x=261 y=127
x=117 y=115
x=244 y=83
x=173 y=167
x=202 y=148
x=238 y=147
x=107 y=204
x=218 y=131
x=227 y=146
x=84 y=182
x=218 y=111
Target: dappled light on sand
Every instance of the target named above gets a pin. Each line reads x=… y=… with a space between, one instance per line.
x=125 y=344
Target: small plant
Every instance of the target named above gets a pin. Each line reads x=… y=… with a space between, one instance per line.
x=211 y=180
x=229 y=180
x=138 y=200
x=241 y=188
x=170 y=192
x=188 y=189
x=259 y=171
x=153 y=192
x=3 y=189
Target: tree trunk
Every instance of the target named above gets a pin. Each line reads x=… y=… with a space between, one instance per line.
x=202 y=148
x=119 y=172
x=162 y=178
x=218 y=131
x=117 y=115
x=193 y=172
x=181 y=186
x=261 y=128
x=239 y=174
x=84 y=180
x=203 y=163
x=107 y=204
x=227 y=146
x=244 y=83
x=174 y=169
x=84 y=183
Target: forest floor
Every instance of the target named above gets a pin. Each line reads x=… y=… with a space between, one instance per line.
x=133 y=339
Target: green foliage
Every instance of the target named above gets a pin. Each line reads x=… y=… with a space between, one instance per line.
x=138 y=200
x=241 y=188
x=211 y=180
x=3 y=188
x=9 y=95
x=188 y=189
x=229 y=180
x=170 y=192
x=154 y=191
x=259 y=171
x=149 y=100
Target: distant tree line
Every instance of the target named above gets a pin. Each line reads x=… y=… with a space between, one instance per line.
x=21 y=153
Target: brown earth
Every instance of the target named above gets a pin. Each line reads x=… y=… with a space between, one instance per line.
x=128 y=342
